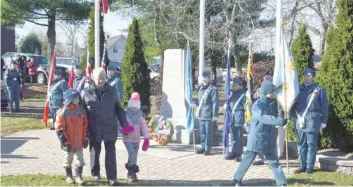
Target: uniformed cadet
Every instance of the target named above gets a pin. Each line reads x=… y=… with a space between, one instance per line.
x=114 y=80
x=78 y=81
x=13 y=81
x=311 y=113
x=207 y=111
x=56 y=94
x=237 y=106
x=263 y=135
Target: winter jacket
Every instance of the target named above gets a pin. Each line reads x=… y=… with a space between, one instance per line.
x=103 y=112
x=12 y=78
x=71 y=126
x=140 y=127
x=77 y=81
x=238 y=115
x=32 y=68
x=263 y=133
x=116 y=82
x=56 y=94
x=209 y=107
x=318 y=110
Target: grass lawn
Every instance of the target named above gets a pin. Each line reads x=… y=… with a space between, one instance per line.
x=320 y=178
x=11 y=125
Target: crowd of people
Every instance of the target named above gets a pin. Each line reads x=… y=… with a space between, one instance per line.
x=90 y=113
x=310 y=112
x=13 y=73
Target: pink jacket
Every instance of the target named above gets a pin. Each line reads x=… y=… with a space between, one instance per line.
x=136 y=134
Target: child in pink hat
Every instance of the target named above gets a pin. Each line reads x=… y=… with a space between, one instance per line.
x=132 y=140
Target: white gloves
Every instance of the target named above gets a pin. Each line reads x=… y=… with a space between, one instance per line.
x=225 y=106
x=323 y=125
x=247 y=94
x=214 y=119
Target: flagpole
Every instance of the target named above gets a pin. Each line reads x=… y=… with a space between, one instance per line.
x=96 y=33
x=279 y=40
x=202 y=40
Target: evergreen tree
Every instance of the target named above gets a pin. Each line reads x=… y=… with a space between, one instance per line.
x=336 y=76
x=135 y=76
x=91 y=40
x=302 y=50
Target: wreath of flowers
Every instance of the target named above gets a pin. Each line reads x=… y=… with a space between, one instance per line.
x=160 y=129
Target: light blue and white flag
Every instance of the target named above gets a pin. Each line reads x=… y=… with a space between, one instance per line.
x=285 y=78
x=188 y=90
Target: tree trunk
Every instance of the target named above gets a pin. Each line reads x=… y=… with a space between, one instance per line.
x=238 y=64
x=323 y=39
x=51 y=34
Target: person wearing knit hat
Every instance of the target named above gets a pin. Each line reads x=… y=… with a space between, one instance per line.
x=103 y=111
x=207 y=112
x=132 y=141
x=311 y=112
x=237 y=103
x=261 y=139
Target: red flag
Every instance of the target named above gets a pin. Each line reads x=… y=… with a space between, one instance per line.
x=50 y=80
x=105 y=6
x=88 y=68
x=72 y=74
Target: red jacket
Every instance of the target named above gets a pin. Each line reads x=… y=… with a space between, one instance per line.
x=32 y=67
x=71 y=126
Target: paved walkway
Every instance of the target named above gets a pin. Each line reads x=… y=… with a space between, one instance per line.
x=38 y=151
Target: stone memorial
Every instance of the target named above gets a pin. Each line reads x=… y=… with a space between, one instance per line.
x=174 y=106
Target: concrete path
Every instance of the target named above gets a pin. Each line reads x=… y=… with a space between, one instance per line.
x=38 y=151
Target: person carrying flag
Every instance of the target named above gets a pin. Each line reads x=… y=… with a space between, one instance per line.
x=311 y=113
x=207 y=111
x=56 y=94
x=78 y=80
x=237 y=106
x=261 y=139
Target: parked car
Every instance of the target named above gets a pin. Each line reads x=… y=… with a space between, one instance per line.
x=4 y=92
x=154 y=71
x=42 y=62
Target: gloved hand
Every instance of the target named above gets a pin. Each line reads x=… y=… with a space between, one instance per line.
x=85 y=143
x=247 y=94
x=225 y=106
x=146 y=144
x=68 y=148
x=286 y=121
x=214 y=119
x=323 y=125
x=128 y=129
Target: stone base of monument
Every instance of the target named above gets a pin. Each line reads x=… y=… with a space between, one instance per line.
x=181 y=134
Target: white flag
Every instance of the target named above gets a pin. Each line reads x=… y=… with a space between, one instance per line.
x=285 y=78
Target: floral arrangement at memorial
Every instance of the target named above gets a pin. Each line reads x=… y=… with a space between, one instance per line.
x=160 y=129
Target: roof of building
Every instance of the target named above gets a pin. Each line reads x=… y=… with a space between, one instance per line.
x=114 y=39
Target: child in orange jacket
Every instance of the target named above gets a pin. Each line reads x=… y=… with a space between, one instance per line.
x=71 y=128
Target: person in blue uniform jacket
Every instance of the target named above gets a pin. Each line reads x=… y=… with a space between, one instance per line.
x=207 y=111
x=114 y=80
x=13 y=82
x=237 y=107
x=56 y=94
x=262 y=137
x=78 y=81
x=311 y=113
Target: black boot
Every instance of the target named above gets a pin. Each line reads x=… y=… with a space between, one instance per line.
x=129 y=171
x=135 y=169
x=79 y=180
x=69 y=178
